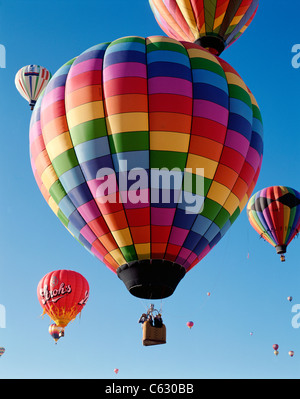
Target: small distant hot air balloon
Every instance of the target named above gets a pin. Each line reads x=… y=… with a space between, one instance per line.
x=56 y=332
x=274 y=212
x=190 y=324
x=213 y=24
x=30 y=81
x=2 y=350
x=116 y=371
x=275 y=347
x=208 y=294
x=291 y=353
x=251 y=333
x=290 y=298
x=63 y=294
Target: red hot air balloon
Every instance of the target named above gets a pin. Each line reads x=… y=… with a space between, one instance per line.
x=291 y=353
x=62 y=295
x=190 y=324
x=122 y=115
x=116 y=371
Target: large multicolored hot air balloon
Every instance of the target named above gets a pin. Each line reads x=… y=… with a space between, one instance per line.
x=274 y=213
x=147 y=150
x=62 y=295
x=2 y=350
x=31 y=81
x=213 y=24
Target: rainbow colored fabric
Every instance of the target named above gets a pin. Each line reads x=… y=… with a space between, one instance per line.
x=274 y=212
x=154 y=103
x=190 y=20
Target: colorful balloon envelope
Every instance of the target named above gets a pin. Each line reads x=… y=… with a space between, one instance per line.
x=62 y=295
x=190 y=324
x=116 y=371
x=56 y=332
x=30 y=81
x=214 y=24
x=147 y=150
x=291 y=353
x=274 y=213
x=275 y=347
x=2 y=350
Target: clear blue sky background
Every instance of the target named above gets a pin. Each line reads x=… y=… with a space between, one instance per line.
x=248 y=293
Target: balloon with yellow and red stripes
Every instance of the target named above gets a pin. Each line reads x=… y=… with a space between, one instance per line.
x=213 y=24
x=274 y=213
x=147 y=149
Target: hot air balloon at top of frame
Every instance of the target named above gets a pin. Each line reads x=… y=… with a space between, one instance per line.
x=213 y=24
x=147 y=150
x=274 y=212
x=30 y=81
x=62 y=295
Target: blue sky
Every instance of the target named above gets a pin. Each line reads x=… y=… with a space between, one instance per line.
x=248 y=283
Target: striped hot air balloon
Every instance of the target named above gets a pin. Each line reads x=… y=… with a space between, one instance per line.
x=274 y=212
x=214 y=24
x=147 y=150
x=30 y=81
x=56 y=332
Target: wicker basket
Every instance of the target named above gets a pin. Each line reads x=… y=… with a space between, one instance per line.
x=153 y=335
